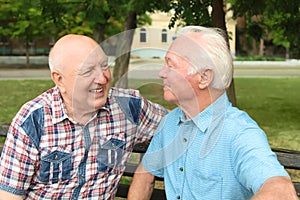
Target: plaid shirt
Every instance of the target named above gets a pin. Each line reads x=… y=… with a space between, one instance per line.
x=48 y=156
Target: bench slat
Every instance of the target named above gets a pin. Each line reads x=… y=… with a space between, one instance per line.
x=3 y=130
x=157 y=193
x=289 y=159
x=297 y=186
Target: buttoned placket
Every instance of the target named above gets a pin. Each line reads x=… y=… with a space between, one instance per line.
x=82 y=166
x=187 y=133
x=183 y=142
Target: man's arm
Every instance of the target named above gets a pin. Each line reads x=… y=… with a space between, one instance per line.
x=277 y=188
x=6 y=195
x=142 y=184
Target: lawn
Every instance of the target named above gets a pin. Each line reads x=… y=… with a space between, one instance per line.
x=273 y=102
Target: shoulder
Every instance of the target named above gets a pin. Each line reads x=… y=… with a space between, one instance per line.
x=242 y=129
x=240 y=119
x=35 y=107
x=132 y=99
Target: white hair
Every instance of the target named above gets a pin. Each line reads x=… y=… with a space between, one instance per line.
x=212 y=52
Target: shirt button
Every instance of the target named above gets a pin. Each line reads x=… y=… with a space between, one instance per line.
x=178 y=197
x=184 y=140
x=181 y=169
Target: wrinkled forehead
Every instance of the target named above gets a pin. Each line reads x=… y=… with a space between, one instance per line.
x=96 y=53
x=87 y=55
x=190 y=47
x=185 y=45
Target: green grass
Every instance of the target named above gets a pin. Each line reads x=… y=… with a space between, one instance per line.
x=273 y=102
x=14 y=93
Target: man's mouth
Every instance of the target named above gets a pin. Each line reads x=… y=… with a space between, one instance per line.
x=98 y=90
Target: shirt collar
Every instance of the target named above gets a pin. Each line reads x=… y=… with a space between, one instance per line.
x=58 y=110
x=211 y=114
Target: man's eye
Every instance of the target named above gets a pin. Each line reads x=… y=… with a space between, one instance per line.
x=86 y=73
x=104 y=67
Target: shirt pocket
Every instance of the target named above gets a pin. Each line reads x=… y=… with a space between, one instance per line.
x=110 y=155
x=55 y=166
x=206 y=186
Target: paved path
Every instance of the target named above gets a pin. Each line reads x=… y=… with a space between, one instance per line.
x=143 y=69
x=11 y=74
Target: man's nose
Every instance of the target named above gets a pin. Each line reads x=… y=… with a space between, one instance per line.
x=162 y=73
x=101 y=77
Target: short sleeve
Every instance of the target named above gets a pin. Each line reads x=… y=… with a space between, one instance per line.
x=16 y=164
x=253 y=160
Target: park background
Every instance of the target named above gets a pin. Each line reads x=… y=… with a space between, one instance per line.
x=263 y=37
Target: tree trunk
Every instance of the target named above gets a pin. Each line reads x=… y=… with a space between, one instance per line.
x=27 y=46
x=218 y=20
x=120 y=75
x=287 y=53
x=242 y=45
x=99 y=33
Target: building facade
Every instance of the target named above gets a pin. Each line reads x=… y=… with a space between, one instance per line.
x=152 y=41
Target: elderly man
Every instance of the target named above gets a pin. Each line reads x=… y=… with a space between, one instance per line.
x=205 y=148
x=72 y=141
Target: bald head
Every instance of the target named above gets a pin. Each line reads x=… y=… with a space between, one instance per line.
x=71 y=48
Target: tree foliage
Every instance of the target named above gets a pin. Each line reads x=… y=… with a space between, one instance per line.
x=279 y=20
x=192 y=12
x=22 y=20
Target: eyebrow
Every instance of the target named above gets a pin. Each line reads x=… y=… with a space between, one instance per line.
x=168 y=59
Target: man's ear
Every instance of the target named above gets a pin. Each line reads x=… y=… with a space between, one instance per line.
x=205 y=78
x=57 y=79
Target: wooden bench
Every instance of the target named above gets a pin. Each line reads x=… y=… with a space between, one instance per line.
x=289 y=159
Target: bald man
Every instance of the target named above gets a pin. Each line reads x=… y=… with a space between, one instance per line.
x=72 y=141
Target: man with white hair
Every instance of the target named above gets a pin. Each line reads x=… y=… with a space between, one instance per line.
x=206 y=149
x=72 y=141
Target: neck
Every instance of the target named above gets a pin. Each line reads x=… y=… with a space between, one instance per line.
x=79 y=115
x=202 y=100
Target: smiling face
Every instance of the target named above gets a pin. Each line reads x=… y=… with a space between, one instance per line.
x=179 y=85
x=88 y=85
x=82 y=74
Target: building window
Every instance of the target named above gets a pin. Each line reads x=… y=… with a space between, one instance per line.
x=143 y=35
x=164 y=36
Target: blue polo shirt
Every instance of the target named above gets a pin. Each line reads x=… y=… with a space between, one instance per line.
x=219 y=154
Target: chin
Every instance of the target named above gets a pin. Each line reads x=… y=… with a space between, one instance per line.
x=170 y=99
x=99 y=104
